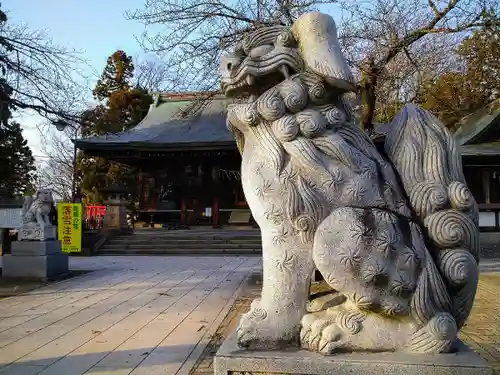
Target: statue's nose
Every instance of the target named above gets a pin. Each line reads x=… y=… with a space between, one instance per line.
x=229 y=65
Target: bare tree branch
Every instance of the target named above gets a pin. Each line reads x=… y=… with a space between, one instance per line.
x=417 y=38
x=392 y=45
x=150 y=73
x=38 y=74
x=56 y=170
x=195 y=33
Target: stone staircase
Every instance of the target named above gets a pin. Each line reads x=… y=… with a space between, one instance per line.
x=197 y=241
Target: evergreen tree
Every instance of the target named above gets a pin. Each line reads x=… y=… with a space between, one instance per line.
x=17 y=164
x=116 y=77
x=122 y=105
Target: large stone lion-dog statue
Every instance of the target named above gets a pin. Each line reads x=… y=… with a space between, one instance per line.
x=36 y=210
x=396 y=232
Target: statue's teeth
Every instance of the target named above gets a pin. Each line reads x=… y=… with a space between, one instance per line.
x=250 y=80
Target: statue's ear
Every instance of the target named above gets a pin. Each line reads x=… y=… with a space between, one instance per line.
x=316 y=35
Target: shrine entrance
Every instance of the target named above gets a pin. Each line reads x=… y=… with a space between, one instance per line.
x=194 y=190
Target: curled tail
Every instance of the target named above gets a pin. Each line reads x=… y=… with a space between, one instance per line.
x=425 y=155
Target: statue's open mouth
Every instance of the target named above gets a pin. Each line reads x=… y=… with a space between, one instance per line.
x=252 y=86
x=255 y=76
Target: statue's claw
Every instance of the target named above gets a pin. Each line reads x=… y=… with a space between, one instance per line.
x=321 y=333
x=331 y=338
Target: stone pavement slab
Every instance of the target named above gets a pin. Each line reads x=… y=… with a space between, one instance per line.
x=481 y=333
x=159 y=315
x=482 y=330
x=131 y=315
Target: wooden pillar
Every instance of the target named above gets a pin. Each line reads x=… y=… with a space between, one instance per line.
x=4 y=241
x=486 y=186
x=140 y=187
x=183 y=213
x=215 y=190
x=215 y=213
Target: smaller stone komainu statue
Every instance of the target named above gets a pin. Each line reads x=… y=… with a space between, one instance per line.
x=395 y=232
x=36 y=210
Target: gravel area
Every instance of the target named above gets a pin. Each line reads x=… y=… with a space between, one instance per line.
x=490 y=250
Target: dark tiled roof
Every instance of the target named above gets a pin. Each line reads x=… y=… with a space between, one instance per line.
x=480 y=126
x=165 y=126
x=484 y=149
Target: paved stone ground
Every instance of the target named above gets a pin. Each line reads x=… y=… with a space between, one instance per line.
x=160 y=315
x=204 y=365
x=131 y=315
x=481 y=333
x=482 y=330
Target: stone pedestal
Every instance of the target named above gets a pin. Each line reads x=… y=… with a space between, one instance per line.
x=116 y=212
x=34 y=232
x=35 y=259
x=231 y=360
x=116 y=216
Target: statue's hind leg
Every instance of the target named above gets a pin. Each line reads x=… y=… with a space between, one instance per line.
x=379 y=271
x=352 y=258
x=274 y=319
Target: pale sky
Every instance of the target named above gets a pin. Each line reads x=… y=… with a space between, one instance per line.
x=95 y=27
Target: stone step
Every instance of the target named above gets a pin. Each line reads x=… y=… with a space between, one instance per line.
x=194 y=235
x=186 y=243
x=189 y=233
x=167 y=251
x=197 y=241
x=129 y=239
x=115 y=246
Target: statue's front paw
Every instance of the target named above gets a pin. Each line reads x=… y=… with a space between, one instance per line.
x=259 y=330
x=247 y=337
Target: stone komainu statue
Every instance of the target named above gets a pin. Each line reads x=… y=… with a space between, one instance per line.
x=36 y=210
x=394 y=232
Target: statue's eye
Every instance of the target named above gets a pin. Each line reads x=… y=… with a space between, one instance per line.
x=261 y=50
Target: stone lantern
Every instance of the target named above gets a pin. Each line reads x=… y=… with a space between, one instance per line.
x=116 y=201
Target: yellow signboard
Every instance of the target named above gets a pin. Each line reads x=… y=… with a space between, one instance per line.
x=69 y=226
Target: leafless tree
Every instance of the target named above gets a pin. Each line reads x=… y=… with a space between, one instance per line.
x=392 y=45
x=404 y=41
x=196 y=33
x=37 y=74
x=150 y=73
x=56 y=169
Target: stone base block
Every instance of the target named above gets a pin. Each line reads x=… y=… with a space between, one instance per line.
x=34 y=232
x=35 y=264
x=35 y=247
x=231 y=360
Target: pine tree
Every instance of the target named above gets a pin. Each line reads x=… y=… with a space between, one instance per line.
x=17 y=164
x=116 y=76
x=122 y=105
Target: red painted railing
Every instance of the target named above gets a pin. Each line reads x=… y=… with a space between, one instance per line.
x=94 y=217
